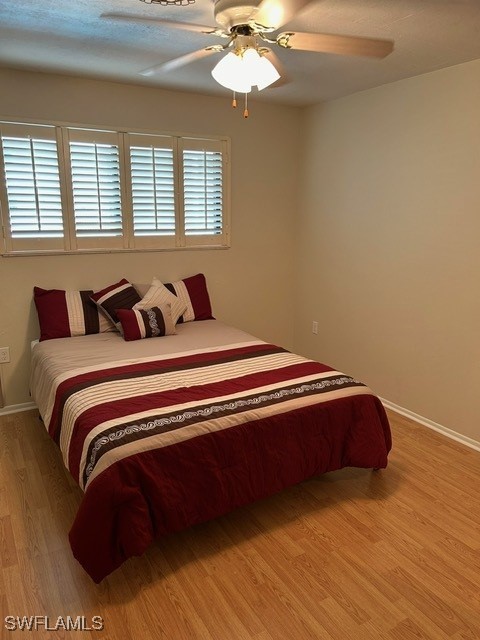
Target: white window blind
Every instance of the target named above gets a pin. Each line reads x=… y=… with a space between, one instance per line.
x=32 y=194
x=202 y=188
x=96 y=189
x=33 y=187
x=153 y=187
x=72 y=189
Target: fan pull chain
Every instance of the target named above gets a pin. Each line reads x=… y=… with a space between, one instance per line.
x=245 y=113
x=234 y=104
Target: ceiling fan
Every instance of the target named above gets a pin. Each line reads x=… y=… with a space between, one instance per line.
x=246 y=25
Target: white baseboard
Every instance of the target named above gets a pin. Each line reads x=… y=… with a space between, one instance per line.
x=469 y=442
x=16 y=408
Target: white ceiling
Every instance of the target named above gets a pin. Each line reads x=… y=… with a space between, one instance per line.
x=68 y=36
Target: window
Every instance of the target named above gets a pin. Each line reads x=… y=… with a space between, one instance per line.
x=30 y=189
x=202 y=189
x=72 y=189
x=153 y=182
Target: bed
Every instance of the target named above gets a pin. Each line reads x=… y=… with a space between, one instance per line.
x=165 y=433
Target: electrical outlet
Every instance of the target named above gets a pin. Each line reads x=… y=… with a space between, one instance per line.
x=314 y=327
x=4 y=354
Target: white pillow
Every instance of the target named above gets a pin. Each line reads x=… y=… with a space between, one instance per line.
x=159 y=295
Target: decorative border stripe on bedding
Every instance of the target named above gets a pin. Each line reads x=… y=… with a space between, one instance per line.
x=106 y=414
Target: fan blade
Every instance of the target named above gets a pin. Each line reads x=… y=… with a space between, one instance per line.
x=188 y=26
x=341 y=45
x=277 y=63
x=165 y=67
x=274 y=13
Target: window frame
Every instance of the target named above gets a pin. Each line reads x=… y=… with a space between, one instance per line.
x=127 y=242
x=93 y=136
x=198 y=144
x=149 y=242
x=20 y=245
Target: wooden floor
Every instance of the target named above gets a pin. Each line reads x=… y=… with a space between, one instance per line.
x=353 y=554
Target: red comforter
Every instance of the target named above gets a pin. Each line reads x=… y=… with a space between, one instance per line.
x=167 y=443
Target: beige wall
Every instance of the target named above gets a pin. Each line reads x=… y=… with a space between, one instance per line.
x=388 y=255
x=250 y=284
x=386 y=212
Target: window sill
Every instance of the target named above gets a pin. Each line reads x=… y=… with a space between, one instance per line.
x=54 y=252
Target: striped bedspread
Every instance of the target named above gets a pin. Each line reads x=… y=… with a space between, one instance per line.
x=161 y=444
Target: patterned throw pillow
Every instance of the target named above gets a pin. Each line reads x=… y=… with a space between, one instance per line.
x=63 y=314
x=146 y=323
x=193 y=292
x=159 y=295
x=121 y=295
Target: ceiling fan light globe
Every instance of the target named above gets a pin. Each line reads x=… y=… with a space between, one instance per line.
x=250 y=59
x=241 y=71
x=267 y=73
x=258 y=70
x=229 y=72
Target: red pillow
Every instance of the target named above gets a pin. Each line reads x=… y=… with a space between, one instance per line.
x=193 y=292
x=62 y=314
x=121 y=295
x=146 y=323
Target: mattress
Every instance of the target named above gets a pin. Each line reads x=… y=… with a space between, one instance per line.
x=167 y=432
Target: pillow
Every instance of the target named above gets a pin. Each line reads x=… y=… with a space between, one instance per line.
x=121 y=295
x=159 y=295
x=192 y=292
x=63 y=314
x=146 y=323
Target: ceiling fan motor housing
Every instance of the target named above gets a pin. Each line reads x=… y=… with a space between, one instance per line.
x=230 y=13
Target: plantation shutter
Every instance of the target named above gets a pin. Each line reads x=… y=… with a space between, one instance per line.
x=31 y=195
x=76 y=189
x=96 y=194
x=203 y=189
x=152 y=177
